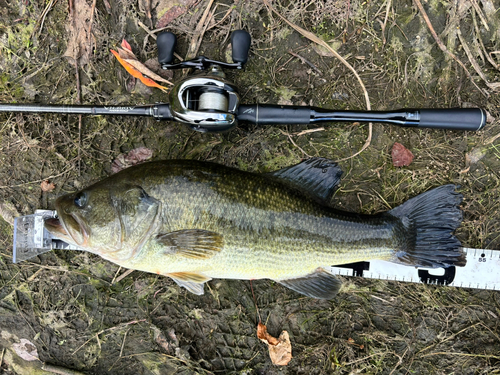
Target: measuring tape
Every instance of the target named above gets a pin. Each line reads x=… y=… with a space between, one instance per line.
x=480 y=272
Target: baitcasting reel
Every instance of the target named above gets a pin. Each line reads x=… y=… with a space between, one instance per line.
x=206 y=101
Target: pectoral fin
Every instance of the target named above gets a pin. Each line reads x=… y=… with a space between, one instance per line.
x=194 y=282
x=319 y=284
x=192 y=243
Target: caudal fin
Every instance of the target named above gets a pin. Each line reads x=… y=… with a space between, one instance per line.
x=429 y=220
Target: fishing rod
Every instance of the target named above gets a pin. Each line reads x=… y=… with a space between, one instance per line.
x=208 y=102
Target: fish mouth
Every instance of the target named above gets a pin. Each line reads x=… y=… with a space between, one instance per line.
x=70 y=229
x=55 y=227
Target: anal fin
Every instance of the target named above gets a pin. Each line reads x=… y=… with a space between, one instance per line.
x=319 y=284
x=194 y=282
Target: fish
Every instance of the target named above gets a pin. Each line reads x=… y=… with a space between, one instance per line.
x=195 y=221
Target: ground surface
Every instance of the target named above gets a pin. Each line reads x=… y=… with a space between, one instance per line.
x=66 y=304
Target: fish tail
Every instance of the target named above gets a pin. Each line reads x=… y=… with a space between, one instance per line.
x=428 y=221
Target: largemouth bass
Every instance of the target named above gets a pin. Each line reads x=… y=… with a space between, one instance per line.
x=194 y=221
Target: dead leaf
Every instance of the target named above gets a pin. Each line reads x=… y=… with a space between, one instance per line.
x=137 y=69
x=401 y=156
x=146 y=71
x=169 y=10
x=155 y=66
x=78 y=26
x=47 y=186
x=475 y=155
x=128 y=55
x=280 y=349
x=135 y=73
x=26 y=350
x=133 y=157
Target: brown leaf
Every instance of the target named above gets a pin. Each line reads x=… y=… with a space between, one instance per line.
x=401 y=156
x=133 y=157
x=47 y=186
x=145 y=71
x=280 y=349
x=169 y=10
x=265 y=336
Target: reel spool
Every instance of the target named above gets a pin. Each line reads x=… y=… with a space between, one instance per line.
x=206 y=103
x=212 y=100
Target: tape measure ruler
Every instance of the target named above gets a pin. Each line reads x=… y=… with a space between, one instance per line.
x=480 y=272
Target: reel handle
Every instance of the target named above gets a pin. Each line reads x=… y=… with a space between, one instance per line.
x=240 y=41
x=166 y=42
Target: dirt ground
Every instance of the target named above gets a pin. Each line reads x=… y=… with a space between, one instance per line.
x=70 y=306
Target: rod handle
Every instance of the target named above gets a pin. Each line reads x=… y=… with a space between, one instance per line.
x=166 y=42
x=240 y=41
x=269 y=114
x=453 y=118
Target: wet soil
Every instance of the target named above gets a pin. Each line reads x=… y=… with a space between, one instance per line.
x=70 y=306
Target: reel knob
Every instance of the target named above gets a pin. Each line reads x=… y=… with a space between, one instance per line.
x=166 y=42
x=240 y=41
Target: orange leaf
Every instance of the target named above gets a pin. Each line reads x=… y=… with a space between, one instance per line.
x=135 y=73
x=280 y=349
x=265 y=336
x=47 y=186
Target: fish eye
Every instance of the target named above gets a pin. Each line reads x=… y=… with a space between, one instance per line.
x=81 y=199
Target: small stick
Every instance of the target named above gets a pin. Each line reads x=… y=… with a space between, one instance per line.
x=123 y=343
x=199 y=32
x=92 y=11
x=309 y=131
x=79 y=101
x=295 y=144
x=123 y=275
x=305 y=61
x=389 y=3
x=60 y=370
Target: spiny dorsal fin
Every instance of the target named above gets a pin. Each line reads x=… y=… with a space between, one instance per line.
x=192 y=243
x=194 y=282
x=319 y=284
x=316 y=177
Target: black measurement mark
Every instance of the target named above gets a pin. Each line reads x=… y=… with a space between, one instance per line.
x=357 y=267
x=446 y=279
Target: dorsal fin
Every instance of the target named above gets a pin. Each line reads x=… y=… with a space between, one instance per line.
x=317 y=178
